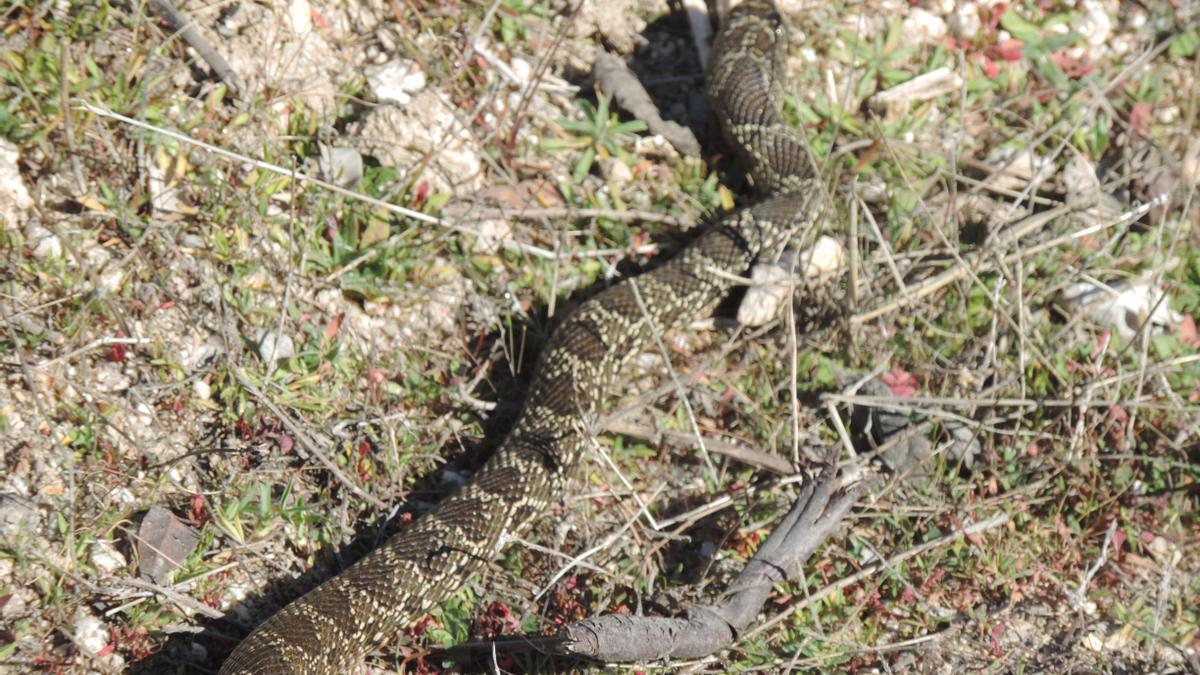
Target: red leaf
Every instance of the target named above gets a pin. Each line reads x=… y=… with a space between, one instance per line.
x=1139 y=118
x=1188 y=334
x=989 y=66
x=335 y=324
x=1009 y=50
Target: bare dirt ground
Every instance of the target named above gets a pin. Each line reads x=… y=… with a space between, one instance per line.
x=269 y=294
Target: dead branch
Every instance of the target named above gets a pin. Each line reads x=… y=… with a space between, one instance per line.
x=616 y=80
x=190 y=34
x=814 y=516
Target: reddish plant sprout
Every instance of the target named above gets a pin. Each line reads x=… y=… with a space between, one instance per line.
x=497 y=620
x=901 y=383
x=118 y=353
x=198 y=513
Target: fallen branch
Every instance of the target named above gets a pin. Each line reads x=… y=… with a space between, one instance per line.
x=814 y=516
x=616 y=80
x=737 y=451
x=190 y=34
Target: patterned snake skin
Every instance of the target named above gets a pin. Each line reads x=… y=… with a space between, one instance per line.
x=334 y=625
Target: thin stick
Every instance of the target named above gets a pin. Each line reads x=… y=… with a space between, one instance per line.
x=741 y=453
x=912 y=402
x=187 y=30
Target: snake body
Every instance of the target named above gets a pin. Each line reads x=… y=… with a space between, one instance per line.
x=331 y=627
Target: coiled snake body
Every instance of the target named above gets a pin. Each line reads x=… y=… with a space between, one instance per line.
x=331 y=627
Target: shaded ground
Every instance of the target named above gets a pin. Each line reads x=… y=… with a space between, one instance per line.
x=292 y=371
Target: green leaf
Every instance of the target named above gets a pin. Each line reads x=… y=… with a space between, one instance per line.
x=632 y=126
x=560 y=144
x=1184 y=45
x=583 y=165
x=1020 y=27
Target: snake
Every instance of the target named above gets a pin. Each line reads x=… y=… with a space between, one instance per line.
x=334 y=626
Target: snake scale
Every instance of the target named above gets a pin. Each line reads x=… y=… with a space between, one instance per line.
x=334 y=625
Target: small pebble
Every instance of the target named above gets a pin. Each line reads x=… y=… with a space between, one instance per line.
x=273 y=347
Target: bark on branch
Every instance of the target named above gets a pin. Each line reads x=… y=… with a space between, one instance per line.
x=707 y=629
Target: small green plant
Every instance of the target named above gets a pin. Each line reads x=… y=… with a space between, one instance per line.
x=599 y=134
x=512 y=26
x=880 y=61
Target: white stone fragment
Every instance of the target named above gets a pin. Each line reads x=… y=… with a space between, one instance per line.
x=106 y=557
x=1093 y=23
x=771 y=282
x=964 y=23
x=45 y=243
x=765 y=296
x=122 y=496
x=273 y=347
x=826 y=256
x=299 y=14
x=90 y=634
x=922 y=27
x=111 y=279
x=492 y=234
x=343 y=166
x=14 y=197
x=395 y=80
x=1123 y=308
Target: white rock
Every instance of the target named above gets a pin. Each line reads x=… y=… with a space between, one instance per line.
x=426 y=132
x=201 y=390
x=273 y=347
x=1167 y=114
x=106 y=557
x=299 y=14
x=771 y=281
x=1165 y=552
x=492 y=234
x=764 y=298
x=143 y=417
x=616 y=171
x=827 y=255
x=922 y=27
x=964 y=23
x=521 y=69
x=111 y=279
x=395 y=80
x=343 y=166
x=1093 y=23
x=45 y=244
x=14 y=197
x=1123 y=308
x=199 y=354
x=122 y=496
x=110 y=378
x=90 y=634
